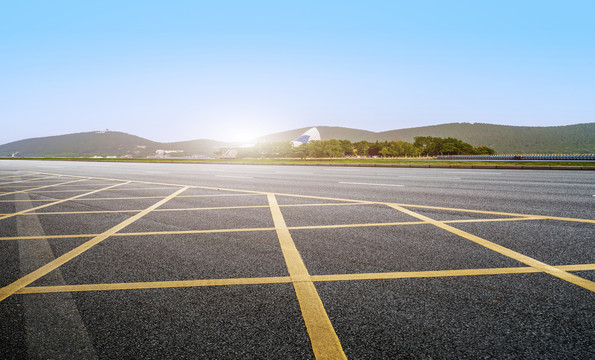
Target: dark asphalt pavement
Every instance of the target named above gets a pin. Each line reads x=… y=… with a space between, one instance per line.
x=382 y=275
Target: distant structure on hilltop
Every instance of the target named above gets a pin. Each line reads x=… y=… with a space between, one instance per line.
x=311 y=135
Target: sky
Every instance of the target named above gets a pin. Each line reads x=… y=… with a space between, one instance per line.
x=231 y=70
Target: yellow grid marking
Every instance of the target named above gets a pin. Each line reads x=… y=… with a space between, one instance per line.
x=28 y=279
x=173 y=185
x=584 y=283
x=155 y=285
x=287 y=279
x=75 y=190
x=13 y=176
x=58 y=202
x=444 y=273
x=141 y=197
x=325 y=342
x=181 y=209
x=27 y=180
x=324 y=339
x=542 y=217
x=40 y=187
x=307 y=227
x=68 y=186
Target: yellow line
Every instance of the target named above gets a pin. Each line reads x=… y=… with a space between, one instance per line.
x=41 y=187
x=58 y=202
x=335 y=199
x=154 y=285
x=178 y=232
x=12 y=176
x=181 y=232
x=32 y=200
x=330 y=204
x=325 y=342
x=184 y=232
x=28 y=279
x=161 y=210
x=73 y=236
x=80 y=212
x=584 y=283
x=160 y=197
x=287 y=279
x=542 y=217
x=133 y=211
x=340 y=226
x=166 y=210
x=444 y=273
x=168 y=184
x=143 y=197
x=522 y=218
x=75 y=190
x=27 y=180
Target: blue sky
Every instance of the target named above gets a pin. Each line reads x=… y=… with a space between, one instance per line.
x=229 y=70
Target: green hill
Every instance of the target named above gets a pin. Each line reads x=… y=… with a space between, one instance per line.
x=100 y=143
x=504 y=139
x=568 y=139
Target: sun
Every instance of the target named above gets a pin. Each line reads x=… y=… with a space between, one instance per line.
x=243 y=133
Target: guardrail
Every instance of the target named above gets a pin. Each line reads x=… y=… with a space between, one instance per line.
x=556 y=157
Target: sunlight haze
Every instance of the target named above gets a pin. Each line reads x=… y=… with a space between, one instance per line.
x=232 y=70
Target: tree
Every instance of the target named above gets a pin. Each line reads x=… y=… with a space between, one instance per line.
x=333 y=148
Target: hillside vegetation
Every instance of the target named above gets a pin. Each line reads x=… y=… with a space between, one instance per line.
x=112 y=143
x=503 y=139
x=569 y=139
x=333 y=148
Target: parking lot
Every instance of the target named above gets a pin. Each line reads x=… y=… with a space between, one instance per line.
x=102 y=267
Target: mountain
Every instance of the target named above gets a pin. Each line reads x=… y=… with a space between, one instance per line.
x=569 y=139
x=102 y=143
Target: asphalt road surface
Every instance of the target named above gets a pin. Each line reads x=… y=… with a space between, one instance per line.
x=180 y=261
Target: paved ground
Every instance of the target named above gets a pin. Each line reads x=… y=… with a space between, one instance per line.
x=161 y=261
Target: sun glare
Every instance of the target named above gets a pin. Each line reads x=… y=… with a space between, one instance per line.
x=243 y=134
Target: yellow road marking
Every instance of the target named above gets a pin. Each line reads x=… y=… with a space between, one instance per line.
x=330 y=199
x=12 y=176
x=331 y=204
x=73 y=236
x=40 y=187
x=28 y=279
x=287 y=279
x=15 y=201
x=155 y=285
x=542 y=217
x=335 y=199
x=445 y=273
x=168 y=184
x=75 y=190
x=584 y=283
x=57 y=202
x=341 y=226
x=148 y=233
x=166 y=210
x=324 y=339
x=143 y=197
x=77 y=212
x=310 y=227
x=186 y=232
x=21 y=181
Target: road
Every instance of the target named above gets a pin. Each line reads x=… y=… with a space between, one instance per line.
x=111 y=260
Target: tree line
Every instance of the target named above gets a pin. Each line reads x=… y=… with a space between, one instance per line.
x=333 y=148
